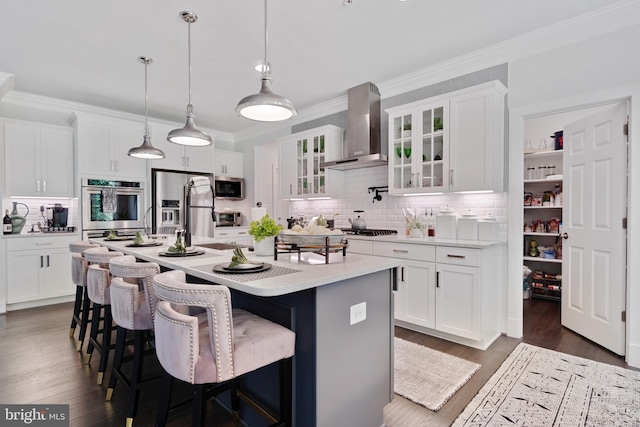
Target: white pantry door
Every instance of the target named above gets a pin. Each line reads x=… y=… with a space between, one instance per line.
x=594 y=248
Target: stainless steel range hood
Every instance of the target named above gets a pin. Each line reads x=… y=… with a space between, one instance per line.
x=362 y=147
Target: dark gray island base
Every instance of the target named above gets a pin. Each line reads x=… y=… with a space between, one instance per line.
x=343 y=372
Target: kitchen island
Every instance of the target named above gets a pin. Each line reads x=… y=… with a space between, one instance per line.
x=341 y=312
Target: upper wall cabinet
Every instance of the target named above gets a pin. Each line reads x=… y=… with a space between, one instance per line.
x=300 y=156
x=228 y=163
x=179 y=157
x=103 y=144
x=449 y=143
x=38 y=159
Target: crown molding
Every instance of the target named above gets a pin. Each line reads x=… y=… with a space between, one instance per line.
x=7 y=82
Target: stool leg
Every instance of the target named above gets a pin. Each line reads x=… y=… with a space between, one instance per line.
x=84 y=320
x=121 y=337
x=286 y=390
x=235 y=400
x=93 y=335
x=106 y=343
x=77 y=306
x=164 y=399
x=136 y=375
x=199 y=406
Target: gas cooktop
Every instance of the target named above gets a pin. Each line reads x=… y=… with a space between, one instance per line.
x=368 y=232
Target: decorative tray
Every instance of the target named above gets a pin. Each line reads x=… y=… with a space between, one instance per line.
x=118 y=238
x=254 y=268
x=143 y=244
x=181 y=254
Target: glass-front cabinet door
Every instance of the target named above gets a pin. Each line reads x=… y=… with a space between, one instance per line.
x=313 y=148
x=418 y=155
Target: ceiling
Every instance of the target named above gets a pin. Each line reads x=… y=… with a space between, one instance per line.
x=88 y=52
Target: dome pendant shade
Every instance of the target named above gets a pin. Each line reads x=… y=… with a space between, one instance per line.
x=266 y=106
x=146 y=150
x=189 y=134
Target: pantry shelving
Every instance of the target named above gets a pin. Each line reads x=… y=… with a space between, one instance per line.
x=543 y=201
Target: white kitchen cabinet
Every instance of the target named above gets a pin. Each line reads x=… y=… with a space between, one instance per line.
x=103 y=144
x=449 y=143
x=39 y=268
x=38 y=159
x=301 y=155
x=451 y=292
x=228 y=163
x=476 y=126
x=179 y=157
x=239 y=235
x=419 y=148
x=414 y=296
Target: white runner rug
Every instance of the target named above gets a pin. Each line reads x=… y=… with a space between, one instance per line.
x=428 y=377
x=539 y=387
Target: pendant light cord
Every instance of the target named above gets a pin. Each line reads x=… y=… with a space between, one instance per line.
x=189 y=60
x=266 y=38
x=146 y=122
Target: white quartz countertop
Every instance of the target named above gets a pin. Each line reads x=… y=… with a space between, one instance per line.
x=434 y=241
x=287 y=275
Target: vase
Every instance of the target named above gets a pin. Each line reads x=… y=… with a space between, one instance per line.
x=264 y=247
x=416 y=232
x=17 y=220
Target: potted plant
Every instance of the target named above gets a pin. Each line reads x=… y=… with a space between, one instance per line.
x=407 y=129
x=416 y=227
x=263 y=233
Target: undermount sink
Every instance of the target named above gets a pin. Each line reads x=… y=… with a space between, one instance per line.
x=220 y=246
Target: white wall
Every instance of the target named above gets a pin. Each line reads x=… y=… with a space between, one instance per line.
x=599 y=70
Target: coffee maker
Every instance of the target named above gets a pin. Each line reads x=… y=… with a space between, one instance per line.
x=57 y=215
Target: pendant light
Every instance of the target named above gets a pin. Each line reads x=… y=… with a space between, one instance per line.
x=146 y=150
x=266 y=106
x=189 y=134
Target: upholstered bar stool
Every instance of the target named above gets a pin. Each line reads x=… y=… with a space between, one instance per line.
x=82 y=302
x=98 y=282
x=215 y=347
x=132 y=309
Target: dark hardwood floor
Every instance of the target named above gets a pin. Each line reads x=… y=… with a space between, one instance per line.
x=39 y=364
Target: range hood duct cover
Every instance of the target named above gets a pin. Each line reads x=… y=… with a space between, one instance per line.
x=363 y=145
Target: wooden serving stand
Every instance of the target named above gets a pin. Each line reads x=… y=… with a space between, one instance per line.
x=324 y=250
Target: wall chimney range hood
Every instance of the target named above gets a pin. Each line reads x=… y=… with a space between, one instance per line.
x=362 y=147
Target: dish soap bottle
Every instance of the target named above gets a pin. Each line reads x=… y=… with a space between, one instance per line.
x=6 y=223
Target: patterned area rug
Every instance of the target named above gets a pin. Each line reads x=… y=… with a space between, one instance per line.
x=428 y=377
x=540 y=387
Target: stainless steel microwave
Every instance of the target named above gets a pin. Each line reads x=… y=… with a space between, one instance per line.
x=229 y=188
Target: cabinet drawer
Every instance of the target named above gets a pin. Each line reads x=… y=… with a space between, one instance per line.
x=360 y=246
x=458 y=256
x=405 y=251
x=40 y=243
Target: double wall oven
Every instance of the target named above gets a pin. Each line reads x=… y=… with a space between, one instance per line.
x=112 y=205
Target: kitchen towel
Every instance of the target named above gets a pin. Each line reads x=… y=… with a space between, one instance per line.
x=109 y=200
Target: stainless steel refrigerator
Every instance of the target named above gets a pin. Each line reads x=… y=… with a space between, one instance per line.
x=169 y=202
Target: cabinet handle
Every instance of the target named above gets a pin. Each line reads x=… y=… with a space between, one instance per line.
x=47 y=261
x=41 y=262
x=450 y=176
x=242 y=232
x=290 y=188
x=437 y=279
x=402 y=274
x=43 y=243
x=401 y=251
x=44 y=185
x=38 y=185
x=456 y=256
x=187 y=160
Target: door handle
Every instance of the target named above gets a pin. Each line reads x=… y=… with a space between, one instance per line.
x=565 y=236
